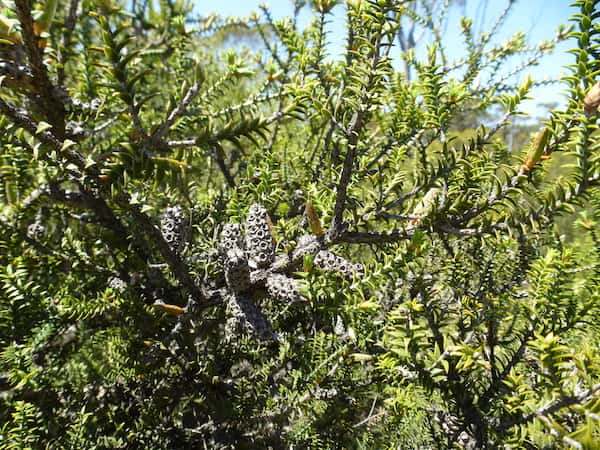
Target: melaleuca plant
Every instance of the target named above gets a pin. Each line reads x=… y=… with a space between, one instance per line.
x=275 y=247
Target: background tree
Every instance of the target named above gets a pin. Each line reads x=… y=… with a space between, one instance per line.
x=273 y=248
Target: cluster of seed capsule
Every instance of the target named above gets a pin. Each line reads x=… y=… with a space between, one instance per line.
x=250 y=266
x=237 y=270
x=259 y=242
x=331 y=262
x=117 y=284
x=246 y=317
x=172 y=226
x=36 y=230
x=283 y=288
x=249 y=263
x=246 y=254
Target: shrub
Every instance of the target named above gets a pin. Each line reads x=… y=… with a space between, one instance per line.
x=276 y=248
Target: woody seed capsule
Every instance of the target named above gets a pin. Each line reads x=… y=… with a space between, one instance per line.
x=592 y=100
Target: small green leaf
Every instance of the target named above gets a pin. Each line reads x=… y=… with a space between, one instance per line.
x=361 y=357
x=42 y=126
x=36 y=150
x=368 y=306
x=67 y=144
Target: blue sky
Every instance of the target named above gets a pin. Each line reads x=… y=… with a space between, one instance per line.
x=539 y=19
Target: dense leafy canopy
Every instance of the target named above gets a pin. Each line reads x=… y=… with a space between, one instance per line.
x=206 y=244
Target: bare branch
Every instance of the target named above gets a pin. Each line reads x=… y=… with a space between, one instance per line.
x=342 y=186
x=367 y=237
x=177 y=112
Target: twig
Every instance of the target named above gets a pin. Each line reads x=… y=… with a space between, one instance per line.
x=17 y=76
x=219 y=136
x=500 y=124
x=552 y=407
x=176 y=264
x=48 y=100
x=370 y=415
x=105 y=125
x=367 y=237
x=353 y=134
x=70 y=22
x=20 y=118
x=177 y=112
x=342 y=186
x=219 y=156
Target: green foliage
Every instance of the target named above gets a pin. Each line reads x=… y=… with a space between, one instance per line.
x=274 y=247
